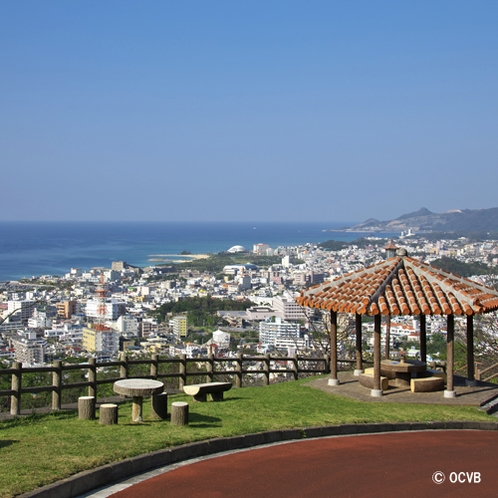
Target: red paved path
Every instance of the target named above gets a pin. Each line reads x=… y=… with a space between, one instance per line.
x=378 y=465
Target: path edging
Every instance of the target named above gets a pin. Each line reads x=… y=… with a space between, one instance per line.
x=89 y=480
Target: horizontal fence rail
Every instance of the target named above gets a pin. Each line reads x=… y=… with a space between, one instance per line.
x=241 y=370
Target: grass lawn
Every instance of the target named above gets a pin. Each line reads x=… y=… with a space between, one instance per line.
x=41 y=449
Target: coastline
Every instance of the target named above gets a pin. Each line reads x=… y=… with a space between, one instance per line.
x=52 y=248
x=167 y=258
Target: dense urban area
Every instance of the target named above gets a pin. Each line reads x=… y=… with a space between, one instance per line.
x=238 y=301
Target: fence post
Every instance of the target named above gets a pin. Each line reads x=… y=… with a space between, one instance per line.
x=183 y=371
x=210 y=368
x=295 y=367
x=154 y=366
x=123 y=368
x=238 y=371
x=477 y=375
x=266 y=369
x=57 y=385
x=92 y=377
x=16 y=385
x=326 y=363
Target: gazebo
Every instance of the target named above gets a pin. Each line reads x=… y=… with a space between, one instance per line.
x=401 y=285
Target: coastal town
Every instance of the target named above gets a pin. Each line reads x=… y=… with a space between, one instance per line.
x=101 y=312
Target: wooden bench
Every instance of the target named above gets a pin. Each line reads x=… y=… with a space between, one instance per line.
x=426 y=384
x=215 y=389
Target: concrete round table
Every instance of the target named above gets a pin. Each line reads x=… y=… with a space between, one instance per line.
x=138 y=388
x=401 y=371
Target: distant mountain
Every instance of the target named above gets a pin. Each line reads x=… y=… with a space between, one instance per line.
x=423 y=220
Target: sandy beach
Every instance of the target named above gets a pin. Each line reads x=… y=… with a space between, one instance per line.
x=172 y=258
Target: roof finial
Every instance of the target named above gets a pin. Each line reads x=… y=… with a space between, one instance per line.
x=390 y=249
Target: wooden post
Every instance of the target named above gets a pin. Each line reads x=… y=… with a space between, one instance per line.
x=359 y=347
x=57 y=385
x=423 y=338
x=326 y=363
x=154 y=366
x=333 y=380
x=92 y=377
x=183 y=371
x=16 y=386
x=108 y=414
x=179 y=413
x=210 y=368
x=450 y=351
x=238 y=371
x=377 y=391
x=159 y=406
x=86 y=407
x=471 y=380
x=123 y=369
x=295 y=367
x=266 y=369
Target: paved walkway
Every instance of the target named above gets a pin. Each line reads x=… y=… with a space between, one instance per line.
x=388 y=465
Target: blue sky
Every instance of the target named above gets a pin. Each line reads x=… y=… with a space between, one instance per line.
x=246 y=110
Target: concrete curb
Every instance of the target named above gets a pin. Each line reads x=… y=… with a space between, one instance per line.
x=87 y=481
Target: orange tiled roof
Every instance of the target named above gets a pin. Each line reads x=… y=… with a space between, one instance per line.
x=401 y=286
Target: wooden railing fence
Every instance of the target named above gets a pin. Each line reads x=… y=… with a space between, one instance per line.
x=238 y=368
x=486 y=374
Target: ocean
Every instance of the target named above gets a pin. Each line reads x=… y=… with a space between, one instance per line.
x=52 y=248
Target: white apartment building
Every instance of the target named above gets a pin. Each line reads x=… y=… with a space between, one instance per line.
x=39 y=320
x=271 y=333
x=221 y=338
x=28 y=349
x=260 y=249
x=112 y=309
x=127 y=326
x=21 y=309
x=286 y=308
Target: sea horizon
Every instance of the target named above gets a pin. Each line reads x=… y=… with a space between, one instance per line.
x=35 y=248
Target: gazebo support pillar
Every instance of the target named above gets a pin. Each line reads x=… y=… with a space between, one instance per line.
x=377 y=391
x=333 y=380
x=450 y=352
x=359 y=349
x=471 y=380
x=423 y=339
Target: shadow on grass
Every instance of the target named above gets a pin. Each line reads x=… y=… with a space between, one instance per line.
x=227 y=400
x=203 y=421
x=7 y=442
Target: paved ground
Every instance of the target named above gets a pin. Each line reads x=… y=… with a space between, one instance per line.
x=466 y=395
x=379 y=465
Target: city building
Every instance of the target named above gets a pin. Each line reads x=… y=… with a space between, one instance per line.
x=100 y=341
x=110 y=309
x=66 y=309
x=20 y=310
x=180 y=326
x=286 y=308
x=28 y=348
x=271 y=333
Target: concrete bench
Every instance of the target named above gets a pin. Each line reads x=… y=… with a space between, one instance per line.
x=426 y=384
x=435 y=373
x=200 y=391
x=367 y=380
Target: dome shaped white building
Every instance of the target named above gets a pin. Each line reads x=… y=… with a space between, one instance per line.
x=236 y=249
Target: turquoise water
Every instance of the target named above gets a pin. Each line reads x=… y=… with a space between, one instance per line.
x=52 y=248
